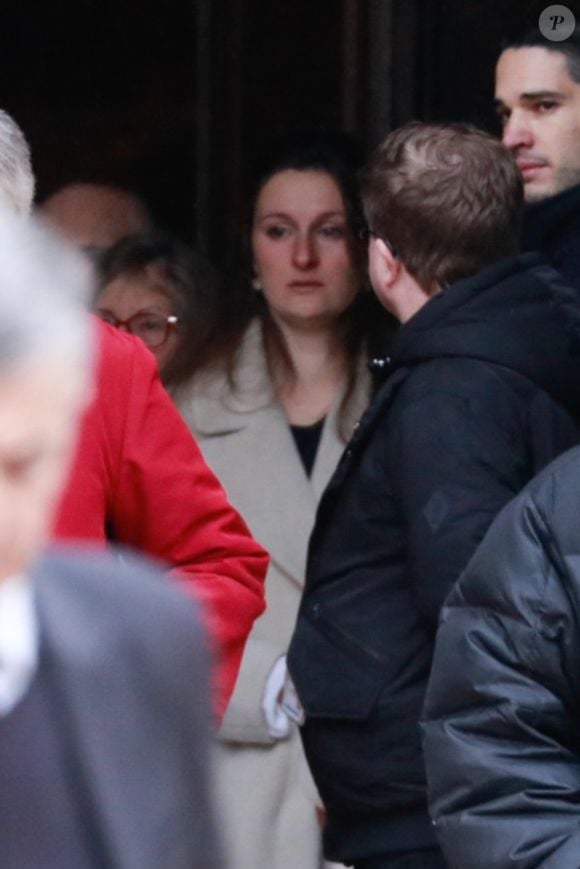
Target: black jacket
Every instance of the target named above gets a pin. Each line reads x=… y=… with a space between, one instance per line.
x=483 y=390
x=502 y=729
x=553 y=227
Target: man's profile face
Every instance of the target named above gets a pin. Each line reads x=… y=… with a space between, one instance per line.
x=39 y=405
x=539 y=106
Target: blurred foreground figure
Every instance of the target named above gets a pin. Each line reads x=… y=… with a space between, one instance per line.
x=480 y=391
x=138 y=477
x=95 y=216
x=104 y=713
x=502 y=711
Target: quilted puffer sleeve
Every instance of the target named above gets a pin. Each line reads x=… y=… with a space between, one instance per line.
x=501 y=719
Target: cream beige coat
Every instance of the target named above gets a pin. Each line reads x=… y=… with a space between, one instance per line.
x=265 y=788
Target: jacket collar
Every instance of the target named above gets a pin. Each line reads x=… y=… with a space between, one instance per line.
x=547 y=223
x=516 y=313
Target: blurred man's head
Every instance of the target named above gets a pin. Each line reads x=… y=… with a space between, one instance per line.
x=442 y=202
x=95 y=215
x=537 y=96
x=16 y=178
x=44 y=359
x=44 y=381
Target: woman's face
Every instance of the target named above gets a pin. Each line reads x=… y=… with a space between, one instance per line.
x=301 y=248
x=134 y=297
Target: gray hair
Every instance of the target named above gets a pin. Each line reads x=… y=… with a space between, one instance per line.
x=44 y=289
x=44 y=283
x=16 y=176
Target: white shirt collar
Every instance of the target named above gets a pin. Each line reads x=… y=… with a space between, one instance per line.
x=18 y=640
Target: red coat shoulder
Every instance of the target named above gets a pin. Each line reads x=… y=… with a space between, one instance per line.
x=138 y=477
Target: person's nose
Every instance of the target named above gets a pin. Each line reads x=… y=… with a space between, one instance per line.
x=305 y=253
x=517 y=132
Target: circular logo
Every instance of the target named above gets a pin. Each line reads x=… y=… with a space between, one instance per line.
x=557 y=23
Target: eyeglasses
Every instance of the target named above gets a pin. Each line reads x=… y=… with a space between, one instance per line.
x=366 y=233
x=153 y=329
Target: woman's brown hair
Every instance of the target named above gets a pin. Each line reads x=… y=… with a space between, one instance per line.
x=362 y=325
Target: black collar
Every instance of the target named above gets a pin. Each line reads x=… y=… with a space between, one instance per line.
x=546 y=222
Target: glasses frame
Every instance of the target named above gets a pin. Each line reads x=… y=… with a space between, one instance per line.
x=366 y=233
x=170 y=321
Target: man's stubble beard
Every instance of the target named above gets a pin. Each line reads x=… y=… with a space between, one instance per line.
x=564 y=179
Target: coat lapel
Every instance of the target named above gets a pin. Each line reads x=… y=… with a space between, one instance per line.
x=255 y=458
x=246 y=440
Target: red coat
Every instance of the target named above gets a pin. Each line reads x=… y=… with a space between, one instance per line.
x=139 y=478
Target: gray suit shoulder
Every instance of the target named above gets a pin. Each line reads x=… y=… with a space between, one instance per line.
x=118 y=597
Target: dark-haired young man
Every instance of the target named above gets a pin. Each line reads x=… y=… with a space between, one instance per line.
x=480 y=391
x=538 y=101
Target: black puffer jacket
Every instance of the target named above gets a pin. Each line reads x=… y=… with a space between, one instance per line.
x=484 y=389
x=502 y=728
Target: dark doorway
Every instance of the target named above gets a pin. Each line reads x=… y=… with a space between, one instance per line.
x=174 y=99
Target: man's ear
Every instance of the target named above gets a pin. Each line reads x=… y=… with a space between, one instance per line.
x=389 y=263
x=384 y=270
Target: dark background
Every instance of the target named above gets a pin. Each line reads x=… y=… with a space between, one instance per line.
x=173 y=99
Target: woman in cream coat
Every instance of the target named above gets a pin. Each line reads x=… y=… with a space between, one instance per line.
x=264 y=785
x=273 y=431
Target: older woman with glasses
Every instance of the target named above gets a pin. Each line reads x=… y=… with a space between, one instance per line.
x=156 y=288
